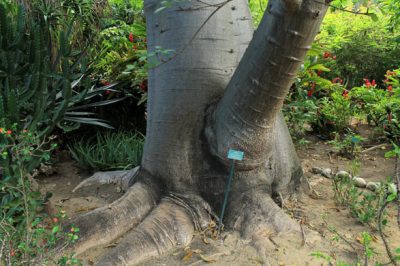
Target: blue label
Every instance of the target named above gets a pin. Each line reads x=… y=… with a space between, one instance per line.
x=235 y=155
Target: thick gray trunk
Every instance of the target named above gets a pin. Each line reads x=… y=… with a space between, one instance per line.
x=183 y=89
x=190 y=128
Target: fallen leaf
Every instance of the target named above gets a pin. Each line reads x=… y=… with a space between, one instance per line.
x=205 y=240
x=197 y=251
x=208 y=260
x=85 y=209
x=188 y=255
x=111 y=245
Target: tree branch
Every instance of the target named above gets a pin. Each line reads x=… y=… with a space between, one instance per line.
x=253 y=98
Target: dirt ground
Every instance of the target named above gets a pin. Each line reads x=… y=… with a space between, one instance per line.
x=235 y=251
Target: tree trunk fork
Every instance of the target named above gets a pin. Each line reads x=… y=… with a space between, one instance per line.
x=200 y=104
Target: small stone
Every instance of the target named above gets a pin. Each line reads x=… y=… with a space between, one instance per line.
x=342 y=175
x=46 y=169
x=359 y=182
x=373 y=186
x=327 y=172
x=317 y=170
x=392 y=188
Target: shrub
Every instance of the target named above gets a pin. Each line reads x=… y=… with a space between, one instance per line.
x=120 y=150
x=25 y=232
x=361 y=47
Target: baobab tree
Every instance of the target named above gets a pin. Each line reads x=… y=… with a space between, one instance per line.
x=222 y=89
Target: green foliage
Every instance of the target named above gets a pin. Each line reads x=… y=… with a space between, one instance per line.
x=36 y=93
x=83 y=15
x=112 y=150
x=25 y=237
x=336 y=109
x=348 y=146
x=321 y=255
x=364 y=206
x=362 y=48
x=121 y=55
x=392 y=9
x=257 y=8
x=129 y=11
x=393 y=153
x=301 y=106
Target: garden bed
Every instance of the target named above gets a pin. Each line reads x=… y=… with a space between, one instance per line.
x=315 y=205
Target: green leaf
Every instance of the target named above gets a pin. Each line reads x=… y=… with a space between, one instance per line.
x=391 y=197
x=55 y=229
x=89 y=121
x=320 y=67
x=373 y=16
x=390 y=154
x=96 y=104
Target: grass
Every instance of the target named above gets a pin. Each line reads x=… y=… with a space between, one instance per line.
x=109 y=151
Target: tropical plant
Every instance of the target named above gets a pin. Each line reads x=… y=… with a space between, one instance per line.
x=38 y=94
x=109 y=150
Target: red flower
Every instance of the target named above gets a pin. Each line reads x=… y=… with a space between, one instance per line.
x=367 y=83
x=55 y=220
x=390 y=88
x=319 y=73
x=131 y=37
x=310 y=92
x=105 y=82
x=143 y=85
x=327 y=54
x=1 y=130
x=337 y=80
x=334 y=57
x=345 y=94
x=373 y=83
x=8 y=132
x=107 y=92
x=12 y=253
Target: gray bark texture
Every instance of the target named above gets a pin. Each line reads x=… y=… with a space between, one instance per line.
x=223 y=88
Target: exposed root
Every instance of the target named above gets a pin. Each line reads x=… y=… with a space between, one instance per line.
x=266 y=225
x=256 y=211
x=172 y=223
x=123 y=178
x=105 y=224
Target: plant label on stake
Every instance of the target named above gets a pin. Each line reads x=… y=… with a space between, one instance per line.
x=233 y=155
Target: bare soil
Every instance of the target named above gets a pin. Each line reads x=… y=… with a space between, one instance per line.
x=232 y=250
